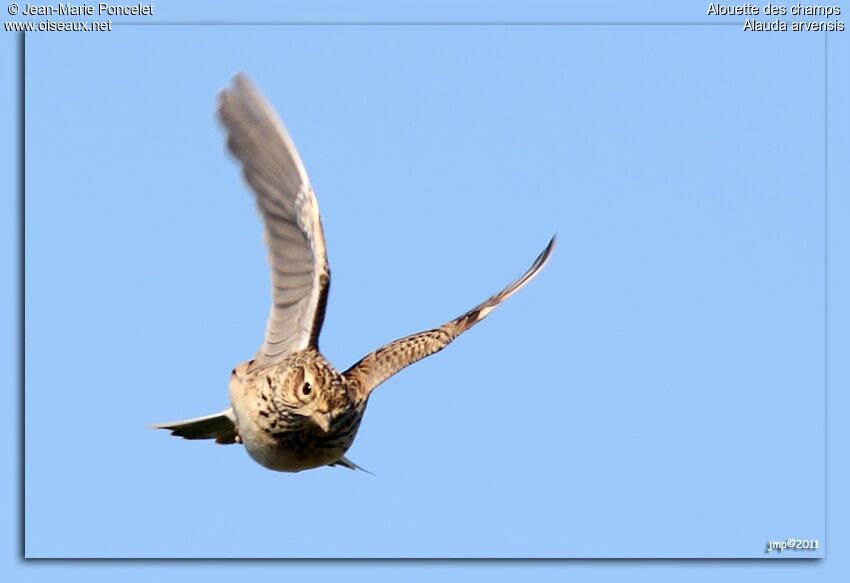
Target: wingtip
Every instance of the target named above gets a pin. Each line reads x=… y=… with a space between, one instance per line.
x=169 y=427
x=239 y=82
x=552 y=243
x=543 y=258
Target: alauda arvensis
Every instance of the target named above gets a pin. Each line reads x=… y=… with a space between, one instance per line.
x=289 y=406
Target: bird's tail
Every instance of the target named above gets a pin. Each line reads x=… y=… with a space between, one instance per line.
x=347 y=463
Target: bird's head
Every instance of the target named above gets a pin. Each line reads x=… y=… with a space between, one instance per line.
x=314 y=391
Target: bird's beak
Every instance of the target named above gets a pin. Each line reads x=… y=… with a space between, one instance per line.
x=323 y=420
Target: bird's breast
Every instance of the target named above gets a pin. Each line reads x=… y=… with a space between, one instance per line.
x=293 y=451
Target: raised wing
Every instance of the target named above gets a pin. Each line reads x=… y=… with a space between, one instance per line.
x=293 y=228
x=375 y=368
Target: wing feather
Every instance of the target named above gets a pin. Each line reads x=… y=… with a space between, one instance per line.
x=273 y=169
x=219 y=426
x=375 y=368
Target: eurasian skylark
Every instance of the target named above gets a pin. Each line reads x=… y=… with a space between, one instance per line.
x=290 y=408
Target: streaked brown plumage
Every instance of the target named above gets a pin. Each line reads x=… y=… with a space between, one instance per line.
x=289 y=406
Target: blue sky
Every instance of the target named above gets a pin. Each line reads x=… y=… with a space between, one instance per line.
x=657 y=392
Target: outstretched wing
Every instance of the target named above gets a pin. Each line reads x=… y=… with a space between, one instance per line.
x=293 y=228
x=375 y=368
x=220 y=426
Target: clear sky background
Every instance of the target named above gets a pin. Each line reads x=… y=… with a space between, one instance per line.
x=657 y=392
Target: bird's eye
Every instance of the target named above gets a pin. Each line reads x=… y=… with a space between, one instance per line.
x=306 y=389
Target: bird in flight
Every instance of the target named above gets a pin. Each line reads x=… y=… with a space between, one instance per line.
x=289 y=407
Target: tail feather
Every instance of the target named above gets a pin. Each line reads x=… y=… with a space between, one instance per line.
x=347 y=463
